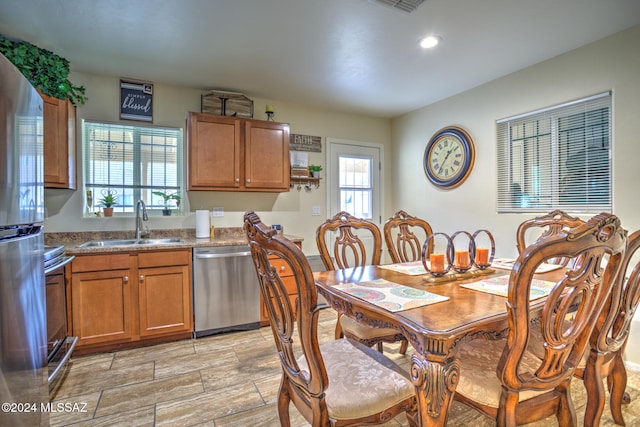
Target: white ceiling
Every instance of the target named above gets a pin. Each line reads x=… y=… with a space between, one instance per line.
x=348 y=55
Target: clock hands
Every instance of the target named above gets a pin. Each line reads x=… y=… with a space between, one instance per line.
x=444 y=160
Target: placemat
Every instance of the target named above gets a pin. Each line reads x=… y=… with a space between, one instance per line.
x=507 y=264
x=500 y=286
x=413 y=268
x=389 y=295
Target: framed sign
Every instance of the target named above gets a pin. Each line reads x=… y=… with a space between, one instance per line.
x=136 y=101
x=305 y=143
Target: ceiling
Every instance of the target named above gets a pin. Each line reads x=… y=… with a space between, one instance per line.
x=355 y=56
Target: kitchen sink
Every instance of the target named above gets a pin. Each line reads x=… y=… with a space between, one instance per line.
x=130 y=242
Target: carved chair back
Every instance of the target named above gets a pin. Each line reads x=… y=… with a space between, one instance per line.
x=541 y=227
x=283 y=315
x=609 y=339
x=348 y=248
x=583 y=289
x=403 y=244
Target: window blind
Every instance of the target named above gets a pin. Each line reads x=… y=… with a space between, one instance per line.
x=133 y=161
x=556 y=158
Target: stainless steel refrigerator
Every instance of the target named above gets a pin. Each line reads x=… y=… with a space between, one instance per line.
x=23 y=329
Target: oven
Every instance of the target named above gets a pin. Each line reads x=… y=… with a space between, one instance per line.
x=59 y=344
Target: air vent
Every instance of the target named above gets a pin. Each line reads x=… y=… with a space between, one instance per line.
x=404 y=5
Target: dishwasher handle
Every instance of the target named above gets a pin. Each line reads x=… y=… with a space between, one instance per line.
x=208 y=255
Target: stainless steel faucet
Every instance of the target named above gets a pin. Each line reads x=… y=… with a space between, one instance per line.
x=139 y=219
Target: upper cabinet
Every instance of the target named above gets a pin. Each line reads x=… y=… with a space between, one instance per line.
x=234 y=154
x=59 y=143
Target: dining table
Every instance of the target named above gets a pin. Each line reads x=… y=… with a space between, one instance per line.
x=455 y=311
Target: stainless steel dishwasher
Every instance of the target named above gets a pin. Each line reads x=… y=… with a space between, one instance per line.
x=226 y=293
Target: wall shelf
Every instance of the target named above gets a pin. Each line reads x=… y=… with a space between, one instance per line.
x=306 y=182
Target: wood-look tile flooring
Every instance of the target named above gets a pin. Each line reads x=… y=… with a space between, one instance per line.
x=222 y=381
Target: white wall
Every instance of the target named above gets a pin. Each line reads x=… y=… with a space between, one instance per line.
x=609 y=64
x=171 y=104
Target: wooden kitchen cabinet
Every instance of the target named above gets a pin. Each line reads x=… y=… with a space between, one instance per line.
x=59 y=128
x=235 y=154
x=101 y=299
x=127 y=299
x=165 y=293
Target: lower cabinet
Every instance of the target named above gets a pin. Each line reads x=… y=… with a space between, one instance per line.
x=130 y=297
x=164 y=298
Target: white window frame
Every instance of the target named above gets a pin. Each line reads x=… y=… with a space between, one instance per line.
x=129 y=190
x=534 y=150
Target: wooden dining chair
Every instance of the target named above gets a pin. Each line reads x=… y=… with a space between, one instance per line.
x=543 y=226
x=405 y=235
x=521 y=387
x=346 y=250
x=339 y=383
x=609 y=340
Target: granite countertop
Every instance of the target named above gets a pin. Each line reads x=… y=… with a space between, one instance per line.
x=224 y=236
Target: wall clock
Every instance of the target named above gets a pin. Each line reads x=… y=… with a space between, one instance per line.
x=449 y=157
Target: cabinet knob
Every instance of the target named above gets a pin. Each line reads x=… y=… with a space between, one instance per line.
x=141 y=278
x=282 y=268
x=248 y=180
x=125 y=279
x=237 y=179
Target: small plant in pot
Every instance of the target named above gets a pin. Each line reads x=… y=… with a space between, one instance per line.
x=315 y=170
x=108 y=200
x=166 y=211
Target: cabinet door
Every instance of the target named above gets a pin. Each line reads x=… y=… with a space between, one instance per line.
x=101 y=307
x=286 y=274
x=59 y=143
x=266 y=155
x=165 y=300
x=214 y=152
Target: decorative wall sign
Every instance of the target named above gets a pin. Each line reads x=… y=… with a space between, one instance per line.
x=136 y=101
x=305 y=143
x=227 y=103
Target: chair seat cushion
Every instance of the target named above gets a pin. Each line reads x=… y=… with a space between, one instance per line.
x=352 y=327
x=362 y=381
x=478 y=379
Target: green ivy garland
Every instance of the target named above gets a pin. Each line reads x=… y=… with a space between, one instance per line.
x=45 y=70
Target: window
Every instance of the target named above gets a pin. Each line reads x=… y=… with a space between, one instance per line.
x=556 y=158
x=355 y=184
x=131 y=161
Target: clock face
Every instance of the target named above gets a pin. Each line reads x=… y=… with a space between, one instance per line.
x=449 y=157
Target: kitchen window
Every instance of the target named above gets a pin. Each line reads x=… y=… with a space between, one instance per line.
x=556 y=158
x=132 y=161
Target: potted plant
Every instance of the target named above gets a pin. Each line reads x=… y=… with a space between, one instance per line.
x=315 y=170
x=167 y=197
x=109 y=199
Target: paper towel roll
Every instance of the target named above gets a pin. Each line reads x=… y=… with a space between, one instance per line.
x=202 y=224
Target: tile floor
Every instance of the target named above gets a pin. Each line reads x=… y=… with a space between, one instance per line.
x=221 y=381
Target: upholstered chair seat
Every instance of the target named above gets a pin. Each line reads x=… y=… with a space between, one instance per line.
x=361 y=380
x=478 y=382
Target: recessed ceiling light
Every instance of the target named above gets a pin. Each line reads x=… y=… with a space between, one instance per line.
x=429 y=42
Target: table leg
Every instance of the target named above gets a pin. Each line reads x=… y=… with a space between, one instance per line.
x=435 y=382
